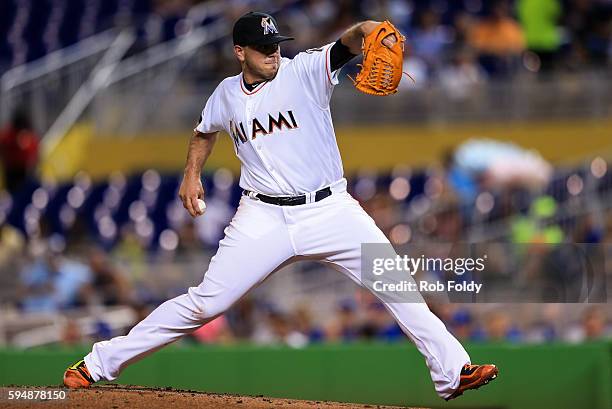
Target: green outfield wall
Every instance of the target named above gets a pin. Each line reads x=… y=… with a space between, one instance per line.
x=542 y=377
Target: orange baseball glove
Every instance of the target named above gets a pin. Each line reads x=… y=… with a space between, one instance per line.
x=381 y=70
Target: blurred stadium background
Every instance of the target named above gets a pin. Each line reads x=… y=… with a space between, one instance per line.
x=506 y=136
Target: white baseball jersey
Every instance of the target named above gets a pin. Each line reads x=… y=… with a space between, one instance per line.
x=282 y=130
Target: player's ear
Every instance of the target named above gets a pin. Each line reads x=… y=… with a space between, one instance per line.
x=239 y=53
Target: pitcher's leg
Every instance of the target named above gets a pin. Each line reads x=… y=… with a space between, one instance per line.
x=167 y=323
x=347 y=226
x=255 y=244
x=444 y=355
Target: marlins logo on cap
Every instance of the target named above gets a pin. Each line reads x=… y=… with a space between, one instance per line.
x=256 y=28
x=268 y=26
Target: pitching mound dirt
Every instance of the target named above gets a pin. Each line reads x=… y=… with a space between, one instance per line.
x=135 y=397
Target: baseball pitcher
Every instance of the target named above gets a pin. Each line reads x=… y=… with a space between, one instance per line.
x=295 y=204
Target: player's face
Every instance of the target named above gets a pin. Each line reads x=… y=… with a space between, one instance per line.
x=262 y=61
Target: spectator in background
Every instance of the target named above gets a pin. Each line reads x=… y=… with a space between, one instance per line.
x=429 y=39
x=241 y=318
x=382 y=208
x=458 y=180
x=108 y=286
x=499 y=328
x=576 y=19
x=304 y=324
x=498 y=39
x=546 y=328
x=542 y=33
x=607 y=241
x=71 y=333
x=12 y=259
x=588 y=26
x=401 y=10
x=18 y=151
x=539 y=225
x=496 y=164
x=594 y=324
x=52 y=283
x=461 y=77
x=449 y=223
x=307 y=21
x=379 y=325
x=345 y=14
x=130 y=253
x=588 y=230
x=462 y=26
x=188 y=233
x=102 y=330
x=592 y=327
x=345 y=326
x=279 y=330
x=462 y=324
x=416 y=68
x=598 y=44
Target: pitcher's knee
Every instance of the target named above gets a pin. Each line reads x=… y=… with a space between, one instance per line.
x=207 y=306
x=213 y=308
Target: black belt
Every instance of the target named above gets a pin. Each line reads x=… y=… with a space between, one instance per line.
x=288 y=200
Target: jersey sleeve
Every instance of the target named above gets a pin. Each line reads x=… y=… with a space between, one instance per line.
x=339 y=54
x=211 y=119
x=313 y=69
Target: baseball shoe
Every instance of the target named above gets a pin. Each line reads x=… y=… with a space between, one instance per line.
x=77 y=376
x=473 y=377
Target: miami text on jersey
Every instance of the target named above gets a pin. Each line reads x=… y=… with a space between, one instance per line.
x=239 y=135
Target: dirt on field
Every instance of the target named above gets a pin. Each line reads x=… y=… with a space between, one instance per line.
x=115 y=397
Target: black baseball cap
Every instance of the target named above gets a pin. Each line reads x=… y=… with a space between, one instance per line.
x=255 y=28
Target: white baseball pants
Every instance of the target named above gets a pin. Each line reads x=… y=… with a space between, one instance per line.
x=259 y=240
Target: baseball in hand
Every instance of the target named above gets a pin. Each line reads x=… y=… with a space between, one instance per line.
x=201 y=206
x=389 y=40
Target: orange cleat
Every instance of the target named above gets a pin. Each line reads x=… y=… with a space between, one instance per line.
x=77 y=376
x=473 y=377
